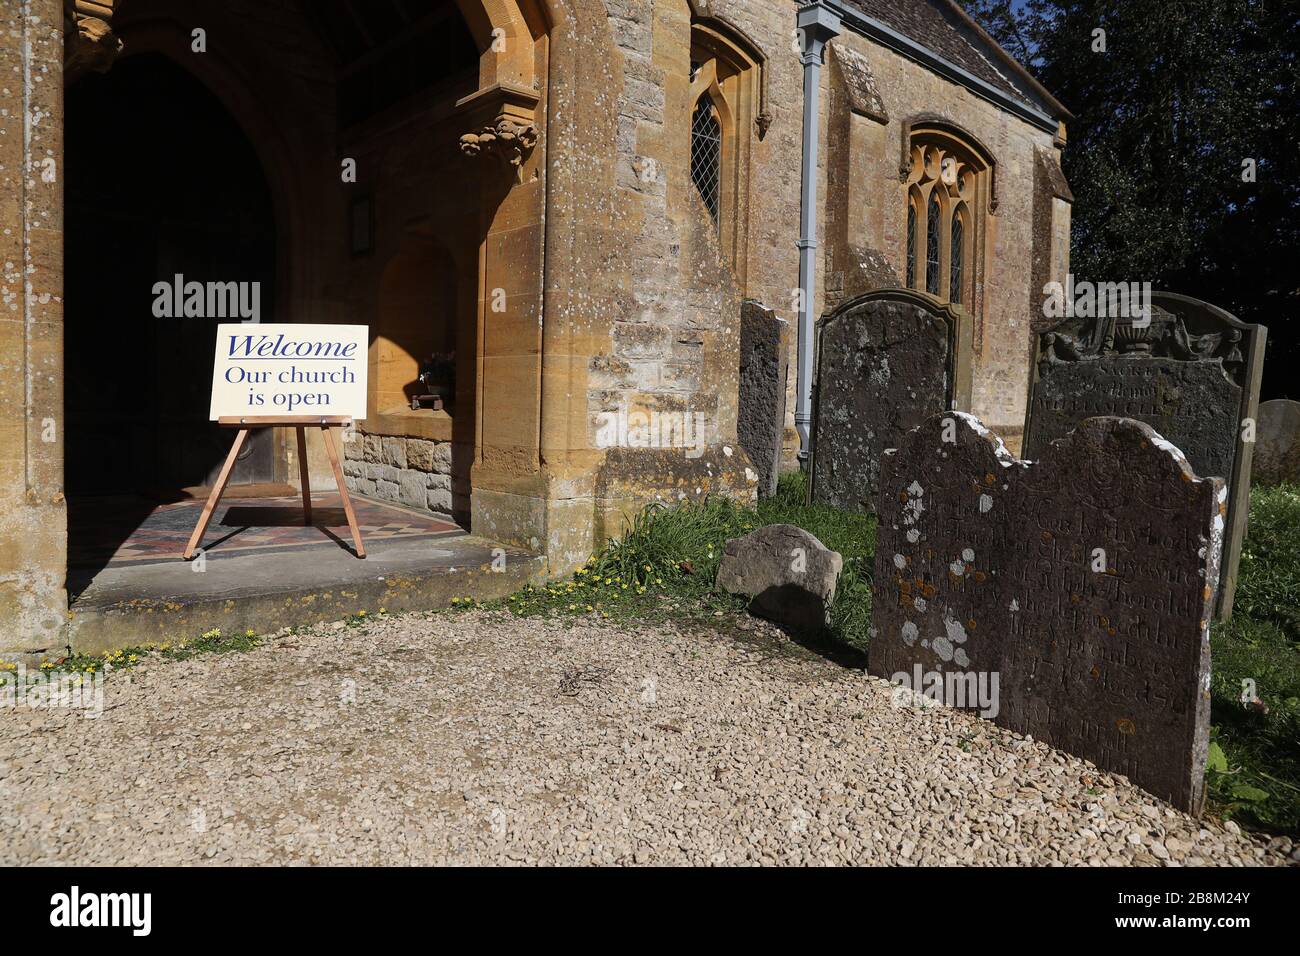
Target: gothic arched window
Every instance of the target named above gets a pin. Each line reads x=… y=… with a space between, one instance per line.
x=950 y=182
x=706 y=154
x=726 y=107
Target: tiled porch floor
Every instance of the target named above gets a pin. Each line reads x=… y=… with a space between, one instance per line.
x=129 y=529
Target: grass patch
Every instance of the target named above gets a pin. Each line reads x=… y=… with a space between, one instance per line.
x=666 y=562
x=1254 y=773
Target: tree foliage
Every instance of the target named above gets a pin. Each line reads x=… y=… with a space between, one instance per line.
x=1175 y=102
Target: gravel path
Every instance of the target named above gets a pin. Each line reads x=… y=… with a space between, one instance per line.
x=481 y=738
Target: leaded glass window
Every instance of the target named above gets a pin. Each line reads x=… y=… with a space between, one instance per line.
x=911 y=245
x=954 y=260
x=706 y=154
x=932 y=246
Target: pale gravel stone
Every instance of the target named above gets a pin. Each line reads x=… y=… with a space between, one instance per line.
x=481 y=738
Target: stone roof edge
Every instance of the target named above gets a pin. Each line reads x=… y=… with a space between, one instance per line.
x=1055 y=105
x=873 y=29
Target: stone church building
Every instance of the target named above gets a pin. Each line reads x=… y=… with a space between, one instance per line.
x=553 y=208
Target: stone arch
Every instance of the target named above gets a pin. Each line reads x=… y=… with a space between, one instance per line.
x=169 y=37
x=505 y=31
x=938 y=127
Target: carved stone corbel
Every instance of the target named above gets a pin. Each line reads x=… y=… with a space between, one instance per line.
x=503 y=121
x=508 y=140
x=89 y=44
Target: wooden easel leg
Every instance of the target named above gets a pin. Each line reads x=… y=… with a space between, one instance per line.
x=304 y=475
x=343 y=490
x=217 y=491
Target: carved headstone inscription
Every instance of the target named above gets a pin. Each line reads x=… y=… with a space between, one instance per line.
x=1277 y=443
x=760 y=426
x=1191 y=372
x=942 y=532
x=1091 y=620
x=1109 y=597
x=885 y=362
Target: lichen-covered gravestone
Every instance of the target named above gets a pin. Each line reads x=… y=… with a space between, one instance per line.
x=1192 y=372
x=941 y=533
x=885 y=362
x=1091 y=618
x=1277 y=443
x=760 y=426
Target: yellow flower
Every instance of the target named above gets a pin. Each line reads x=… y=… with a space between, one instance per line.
x=573 y=607
x=249 y=632
x=360 y=613
x=46 y=665
x=647 y=567
x=383 y=610
x=132 y=659
x=455 y=600
x=164 y=647
x=590 y=608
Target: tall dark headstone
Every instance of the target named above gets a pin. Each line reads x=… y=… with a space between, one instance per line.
x=760 y=427
x=1110 y=595
x=1192 y=373
x=1099 y=563
x=886 y=361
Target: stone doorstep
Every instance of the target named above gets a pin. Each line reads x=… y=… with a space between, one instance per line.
x=157 y=603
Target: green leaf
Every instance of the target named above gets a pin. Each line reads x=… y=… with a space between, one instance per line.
x=1244 y=791
x=1217 y=761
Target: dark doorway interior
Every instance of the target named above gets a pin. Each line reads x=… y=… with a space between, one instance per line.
x=160 y=180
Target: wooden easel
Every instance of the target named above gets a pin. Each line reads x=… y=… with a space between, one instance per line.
x=295 y=421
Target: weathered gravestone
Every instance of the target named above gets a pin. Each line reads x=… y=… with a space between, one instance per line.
x=1192 y=372
x=760 y=427
x=1277 y=443
x=886 y=361
x=941 y=534
x=1080 y=587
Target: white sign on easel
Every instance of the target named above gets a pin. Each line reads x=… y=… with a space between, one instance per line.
x=296 y=376
x=290 y=370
